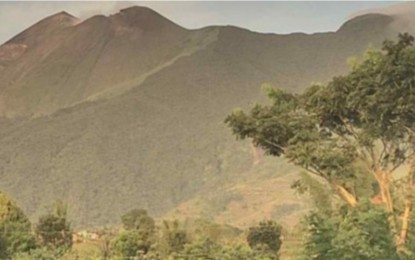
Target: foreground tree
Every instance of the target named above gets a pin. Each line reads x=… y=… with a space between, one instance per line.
x=362 y=232
x=361 y=125
x=138 y=235
x=15 y=229
x=138 y=219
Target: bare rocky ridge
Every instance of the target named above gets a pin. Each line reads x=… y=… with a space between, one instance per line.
x=127 y=110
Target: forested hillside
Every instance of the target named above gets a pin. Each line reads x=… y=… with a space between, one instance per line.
x=126 y=111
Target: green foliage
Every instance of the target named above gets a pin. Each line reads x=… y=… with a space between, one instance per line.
x=328 y=128
x=128 y=244
x=352 y=133
x=200 y=249
x=54 y=231
x=203 y=228
x=266 y=236
x=15 y=229
x=286 y=128
x=319 y=193
x=40 y=253
x=138 y=219
x=177 y=241
x=138 y=237
x=351 y=233
x=173 y=237
x=321 y=230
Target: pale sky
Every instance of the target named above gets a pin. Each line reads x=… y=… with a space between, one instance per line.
x=269 y=17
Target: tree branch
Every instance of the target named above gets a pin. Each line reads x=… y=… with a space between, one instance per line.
x=275 y=145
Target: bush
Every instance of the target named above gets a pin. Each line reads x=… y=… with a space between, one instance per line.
x=126 y=244
x=267 y=235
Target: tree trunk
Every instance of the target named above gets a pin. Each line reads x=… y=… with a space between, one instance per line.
x=384 y=185
x=255 y=154
x=383 y=180
x=346 y=195
x=406 y=217
x=405 y=222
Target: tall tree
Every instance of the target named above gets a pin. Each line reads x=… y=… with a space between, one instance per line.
x=138 y=219
x=54 y=230
x=15 y=229
x=358 y=125
x=139 y=234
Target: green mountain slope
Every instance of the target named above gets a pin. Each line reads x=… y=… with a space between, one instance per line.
x=127 y=111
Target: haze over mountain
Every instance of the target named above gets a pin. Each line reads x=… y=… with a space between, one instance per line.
x=126 y=111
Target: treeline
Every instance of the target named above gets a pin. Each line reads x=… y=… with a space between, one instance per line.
x=139 y=238
x=49 y=238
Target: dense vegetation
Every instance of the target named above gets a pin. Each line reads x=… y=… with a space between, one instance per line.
x=50 y=239
x=139 y=238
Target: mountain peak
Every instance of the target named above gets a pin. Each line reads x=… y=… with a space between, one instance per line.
x=60 y=18
x=401 y=8
x=63 y=14
x=138 y=10
x=366 y=23
x=47 y=25
x=144 y=18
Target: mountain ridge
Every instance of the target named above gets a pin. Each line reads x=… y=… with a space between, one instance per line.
x=109 y=116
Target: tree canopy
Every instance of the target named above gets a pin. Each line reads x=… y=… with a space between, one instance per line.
x=359 y=125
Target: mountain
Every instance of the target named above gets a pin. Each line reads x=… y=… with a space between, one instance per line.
x=126 y=111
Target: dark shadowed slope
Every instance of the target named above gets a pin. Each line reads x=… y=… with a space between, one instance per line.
x=129 y=109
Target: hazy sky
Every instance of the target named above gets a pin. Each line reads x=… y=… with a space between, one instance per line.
x=276 y=17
